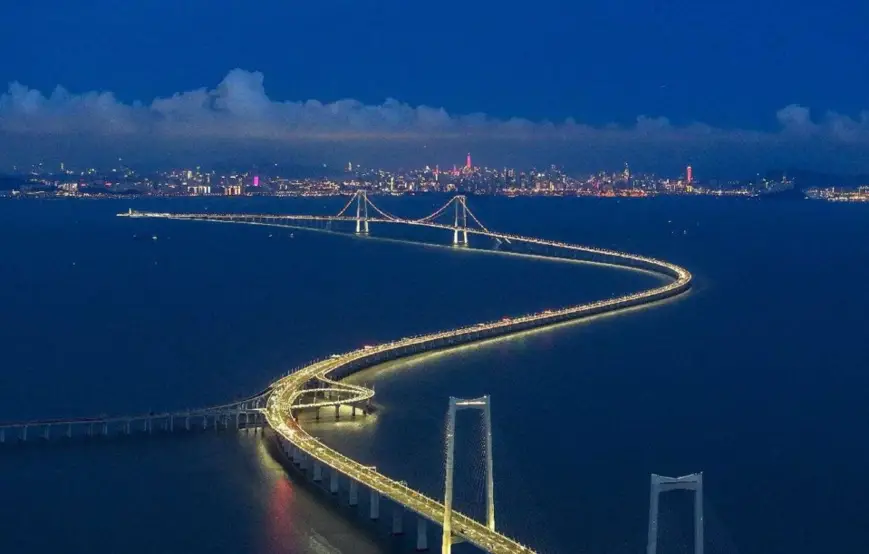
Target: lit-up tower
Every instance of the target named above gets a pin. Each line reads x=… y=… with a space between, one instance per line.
x=689 y=175
x=659 y=484
x=468 y=162
x=482 y=404
x=361 y=212
x=461 y=221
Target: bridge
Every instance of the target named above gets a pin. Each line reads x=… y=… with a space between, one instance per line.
x=319 y=385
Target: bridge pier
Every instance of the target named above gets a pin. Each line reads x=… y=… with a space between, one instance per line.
x=354 y=492
x=187 y=423
x=46 y=433
x=127 y=427
x=90 y=429
x=397 y=520
x=105 y=429
x=318 y=472
x=171 y=423
x=69 y=430
x=333 y=482
x=337 y=411
x=374 y=512
x=421 y=534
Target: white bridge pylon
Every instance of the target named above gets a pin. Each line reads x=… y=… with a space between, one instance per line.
x=459 y=221
x=659 y=484
x=456 y=404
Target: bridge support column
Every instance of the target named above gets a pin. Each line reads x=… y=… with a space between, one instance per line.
x=333 y=482
x=171 y=423
x=46 y=433
x=659 y=484
x=361 y=212
x=337 y=411
x=24 y=434
x=90 y=429
x=397 y=520
x=127 y=427
x=375 y=505
x=354 y=492
x=460 y=227
x=105 y=428
x=204 y=422
x=318 y=472
x=421 y=535
x=69 y=430
x=150 y=425
x=187 y=423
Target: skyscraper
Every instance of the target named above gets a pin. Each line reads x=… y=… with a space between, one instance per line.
x=468 y=162
x=689 y=175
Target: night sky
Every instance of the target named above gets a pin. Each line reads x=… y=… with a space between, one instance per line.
x=732 y=87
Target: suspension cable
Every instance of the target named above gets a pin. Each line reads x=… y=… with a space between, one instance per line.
x=483 y=227
x=437 y=213
x=349 y=203
x=381 y=212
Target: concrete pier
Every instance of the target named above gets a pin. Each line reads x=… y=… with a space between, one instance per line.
x=333 y=482
x=354 y=492
x=374 y=513
x=421 y=534
x=397 y=520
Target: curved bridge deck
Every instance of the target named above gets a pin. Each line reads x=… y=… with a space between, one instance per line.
x=288 y=393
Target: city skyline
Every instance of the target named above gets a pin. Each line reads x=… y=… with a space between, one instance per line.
x=583 y=86
x=237 y=122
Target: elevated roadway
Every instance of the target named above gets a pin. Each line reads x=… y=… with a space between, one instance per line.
x=293 y=392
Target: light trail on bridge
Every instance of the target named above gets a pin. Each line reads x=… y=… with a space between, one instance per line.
x=289 y=394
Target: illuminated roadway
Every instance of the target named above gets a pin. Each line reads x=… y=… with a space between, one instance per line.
x=290 y=393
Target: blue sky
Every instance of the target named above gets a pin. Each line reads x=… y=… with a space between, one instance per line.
x=732 y=66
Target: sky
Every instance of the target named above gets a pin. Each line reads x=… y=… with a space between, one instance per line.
x=729 y=87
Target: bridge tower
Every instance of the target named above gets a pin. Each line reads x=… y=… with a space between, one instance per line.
x=461 y=221
x=456 y=404
x=361 y=212
x=693 y=482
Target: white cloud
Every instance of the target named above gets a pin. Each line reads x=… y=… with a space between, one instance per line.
x=238 y=112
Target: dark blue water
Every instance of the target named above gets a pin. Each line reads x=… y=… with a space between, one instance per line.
x=755 y=377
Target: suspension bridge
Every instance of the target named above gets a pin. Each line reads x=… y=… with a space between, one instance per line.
x=318 y=385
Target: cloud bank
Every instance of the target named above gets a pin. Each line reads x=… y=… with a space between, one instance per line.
x=237 y=121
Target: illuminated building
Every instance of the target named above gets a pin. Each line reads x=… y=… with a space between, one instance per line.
x=689 y=175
